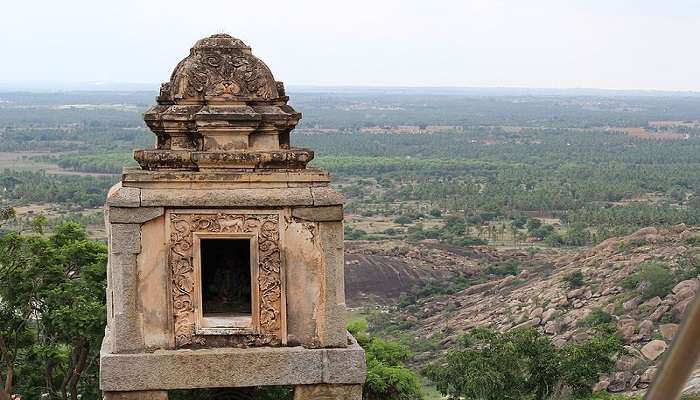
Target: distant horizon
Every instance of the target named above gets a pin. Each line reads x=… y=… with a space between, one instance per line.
x=58 y=86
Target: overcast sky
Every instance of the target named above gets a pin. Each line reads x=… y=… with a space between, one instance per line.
x=614 y=44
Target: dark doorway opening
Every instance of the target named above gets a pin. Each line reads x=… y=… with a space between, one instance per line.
x=226 y=267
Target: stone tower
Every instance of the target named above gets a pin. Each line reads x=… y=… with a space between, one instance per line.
x=225 y=250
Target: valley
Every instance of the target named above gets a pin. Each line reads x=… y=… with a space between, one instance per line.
x=567 y=213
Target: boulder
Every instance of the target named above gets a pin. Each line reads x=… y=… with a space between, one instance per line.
x=679 y=228
x=573 y=294
x=654 y=349
x=646 y=327
x=691 y=284
x=632 y=304
x=652 y=303
x=692 y=387
x=658 y=313
x=678 y=310
x=634 y=380
x=618 y=383
x=536 y=313
x=648 y=375
x=527 y=324
x=668 y=331
x=627 y=328
x=581 y=338
x=602 y=385
x=549 y=314
x=551 y=328
x=685 y=293
x=625 y=363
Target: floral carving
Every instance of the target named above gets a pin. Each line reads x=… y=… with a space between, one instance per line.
x=269 y=284
x=220 y=73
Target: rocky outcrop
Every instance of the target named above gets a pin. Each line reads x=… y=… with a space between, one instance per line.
x=541 y=297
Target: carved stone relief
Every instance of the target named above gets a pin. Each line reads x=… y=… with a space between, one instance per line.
x=270 y=318
x=221 y=74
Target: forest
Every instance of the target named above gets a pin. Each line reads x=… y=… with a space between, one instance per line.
x=512 y=170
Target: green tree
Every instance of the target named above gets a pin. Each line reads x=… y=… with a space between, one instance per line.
x=521 y=364
x=403 y=220
x=57 y=283
x=533 y=224
x=39 y=224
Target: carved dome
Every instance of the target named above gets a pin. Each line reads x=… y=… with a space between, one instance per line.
x=220 y=68
x=222 y=109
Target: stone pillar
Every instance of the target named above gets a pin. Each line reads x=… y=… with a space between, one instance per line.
x=143 y=395
x=328 y=392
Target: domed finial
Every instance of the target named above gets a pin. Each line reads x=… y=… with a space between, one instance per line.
x=220 y=41
x=222 y=109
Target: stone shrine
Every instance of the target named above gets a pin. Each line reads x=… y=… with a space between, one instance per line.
x=225 y=251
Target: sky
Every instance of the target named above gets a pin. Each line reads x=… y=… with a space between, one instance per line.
x=608 y=44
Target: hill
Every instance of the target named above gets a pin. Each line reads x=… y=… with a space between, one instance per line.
x=638 y=284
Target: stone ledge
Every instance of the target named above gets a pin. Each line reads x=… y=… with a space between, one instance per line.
x=230 y=367
x=326 y=196
x=119 y=196
x=227 y=198
x=133 y=215
x=158 y=159
x=233 y=179
x=319 y=214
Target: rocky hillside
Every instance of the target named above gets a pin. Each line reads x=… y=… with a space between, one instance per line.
x=640 y=283
x=378 y=273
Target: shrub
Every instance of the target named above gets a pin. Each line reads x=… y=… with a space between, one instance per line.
x=403 y=220
x=652 y=279
x=508 y=268
x=469 y=241
x=554 y=240
x=692 y=241
x=357 y=326
x=387 y=376
x=687 y=267
x=435 y=212
x=574 y=279
x=354 y=234
x=597 y=317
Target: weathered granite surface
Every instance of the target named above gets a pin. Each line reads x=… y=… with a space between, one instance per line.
x=229 y=367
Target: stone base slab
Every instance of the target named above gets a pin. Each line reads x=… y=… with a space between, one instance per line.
x=328 y=392
x=230 y=367
x=149 y=395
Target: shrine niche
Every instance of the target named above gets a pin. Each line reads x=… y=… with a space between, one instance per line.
x=265 y=318
x=226 y=260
